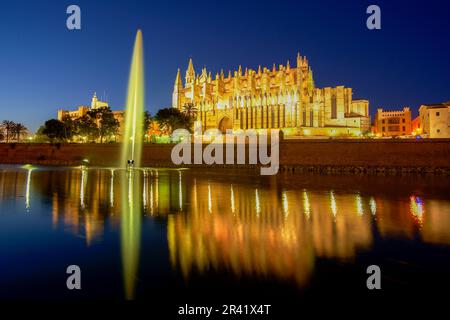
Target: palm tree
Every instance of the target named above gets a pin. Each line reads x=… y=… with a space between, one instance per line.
x=169 y=119
x=190 y=110
x=8 y=127
x=18 y=130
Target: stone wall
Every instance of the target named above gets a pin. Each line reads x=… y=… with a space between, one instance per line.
x=338 y=155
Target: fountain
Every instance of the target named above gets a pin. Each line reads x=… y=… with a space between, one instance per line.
x=131 y=157
x=134 y=112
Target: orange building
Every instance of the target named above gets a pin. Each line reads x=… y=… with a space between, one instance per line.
x=415 y=126
x=392 y=123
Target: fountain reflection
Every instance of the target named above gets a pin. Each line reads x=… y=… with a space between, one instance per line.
x=30 y=169
x=131 y=216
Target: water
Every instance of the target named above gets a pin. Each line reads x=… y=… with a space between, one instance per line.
x=201 y=235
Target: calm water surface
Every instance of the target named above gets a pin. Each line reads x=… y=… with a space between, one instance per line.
x=196 y=235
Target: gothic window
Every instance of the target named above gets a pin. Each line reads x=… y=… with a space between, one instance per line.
x=272 y=113
x=311 y=118
x=333 y=108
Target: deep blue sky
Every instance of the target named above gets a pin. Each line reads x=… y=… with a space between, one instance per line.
x=44 y=66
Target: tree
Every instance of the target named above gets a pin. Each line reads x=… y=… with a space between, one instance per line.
x=190 y=110
x=40 y=136
x=170 y=119
x=19 y=130
x=69 y=127
x=109 y=126
x=86 y=128
x=8 y=127
x=148 y=120
x=103 y=118
x=54 y=130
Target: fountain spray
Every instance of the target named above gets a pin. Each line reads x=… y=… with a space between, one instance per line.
x=134 y=112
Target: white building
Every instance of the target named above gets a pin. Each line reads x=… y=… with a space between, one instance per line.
x=435 y=120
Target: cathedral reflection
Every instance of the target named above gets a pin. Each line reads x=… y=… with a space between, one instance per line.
x=274 y=228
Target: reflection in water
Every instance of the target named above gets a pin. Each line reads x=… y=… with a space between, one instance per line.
x=233 y=208
x=30 y=169
x=417 y=208
x=111 y=190
x=359 y=206
x=373 y=206
x=130 y=228
x=84 y=173
x=333 y=203
x=226 y=223
x=257 y=204
x=306 y=206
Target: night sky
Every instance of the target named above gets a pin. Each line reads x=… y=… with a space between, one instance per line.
x=44 y=66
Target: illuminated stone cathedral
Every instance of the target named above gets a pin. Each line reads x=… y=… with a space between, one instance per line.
x=284 y=98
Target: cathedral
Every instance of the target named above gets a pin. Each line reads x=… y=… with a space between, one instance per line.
x=284 y=98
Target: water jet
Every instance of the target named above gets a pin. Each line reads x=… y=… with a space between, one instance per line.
x=131 y=157
x=134 y=111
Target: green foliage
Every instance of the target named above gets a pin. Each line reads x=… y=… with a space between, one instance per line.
x=40 y=136
x=98 y=123
x=190 y=110
x=54 y=130
x=109 y=126
x=69 y=127
x=7 y=127
x=86 y=128
x=148 y=119
x=11 y=130
x=19 y=130
x=170 y=119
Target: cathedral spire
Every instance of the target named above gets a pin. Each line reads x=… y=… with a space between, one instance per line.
x=190 y=72
x=178 y=80
x=299 y=59
x=190 y=68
